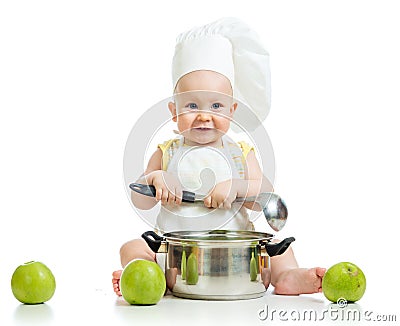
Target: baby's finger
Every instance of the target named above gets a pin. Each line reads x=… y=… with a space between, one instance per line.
x=207 y=202
x=164 y=196
x=214 y=203
x=171 y=198
x=227 y=205
x=159 y=192
x=178 y=196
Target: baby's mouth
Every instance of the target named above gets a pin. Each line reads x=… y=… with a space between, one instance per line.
x=202 y=128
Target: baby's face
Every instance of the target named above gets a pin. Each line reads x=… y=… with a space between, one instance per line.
x=203 y=107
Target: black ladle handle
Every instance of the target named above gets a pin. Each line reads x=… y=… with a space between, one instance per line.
x=149 y=190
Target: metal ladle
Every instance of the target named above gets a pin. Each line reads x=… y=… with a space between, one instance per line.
x=273 y=206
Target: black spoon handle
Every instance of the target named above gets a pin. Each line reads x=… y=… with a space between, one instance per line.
x=149 y=190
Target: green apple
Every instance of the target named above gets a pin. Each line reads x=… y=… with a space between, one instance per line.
x=33 y=283
x=344 y=280
x=142 y=282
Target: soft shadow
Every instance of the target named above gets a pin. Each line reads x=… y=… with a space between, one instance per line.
x=349 y=314
x=37 y=314
x=141 y=314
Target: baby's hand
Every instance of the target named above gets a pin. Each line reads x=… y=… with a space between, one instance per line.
x=168 y=187
x=222 y=196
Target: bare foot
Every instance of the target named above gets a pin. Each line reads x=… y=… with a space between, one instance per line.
x=115 y=280
x=300 y=281
x=266 y=277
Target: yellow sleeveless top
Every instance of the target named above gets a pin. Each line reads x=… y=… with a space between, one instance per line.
x=238 y=151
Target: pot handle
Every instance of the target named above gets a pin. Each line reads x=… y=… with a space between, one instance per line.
x=275 y=249
x=153 y=240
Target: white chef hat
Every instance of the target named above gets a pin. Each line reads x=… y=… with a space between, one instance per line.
x=230 y=47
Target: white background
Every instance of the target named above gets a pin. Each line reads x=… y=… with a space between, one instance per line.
x=76 y=75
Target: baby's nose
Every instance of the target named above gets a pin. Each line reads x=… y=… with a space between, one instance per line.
x=203 y=116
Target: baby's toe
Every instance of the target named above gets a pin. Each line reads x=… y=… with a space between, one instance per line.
x=117 y=274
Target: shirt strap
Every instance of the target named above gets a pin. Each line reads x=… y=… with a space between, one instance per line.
x=246 y=148
x=168 y=149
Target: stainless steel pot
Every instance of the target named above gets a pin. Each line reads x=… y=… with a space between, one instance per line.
x=218 y=264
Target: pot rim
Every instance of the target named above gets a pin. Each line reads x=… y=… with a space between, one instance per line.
x=217 y=236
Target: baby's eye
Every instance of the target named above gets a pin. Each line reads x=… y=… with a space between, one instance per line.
x=216 y=106
x=192 y=106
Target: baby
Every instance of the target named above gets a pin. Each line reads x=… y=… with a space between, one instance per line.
x=206 y=76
